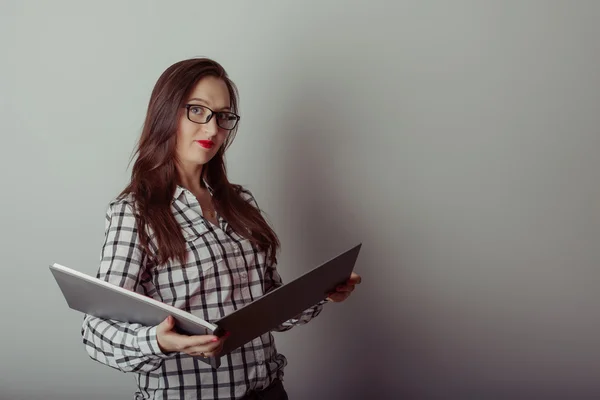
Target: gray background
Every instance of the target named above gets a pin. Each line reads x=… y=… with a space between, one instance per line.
x=458 y=140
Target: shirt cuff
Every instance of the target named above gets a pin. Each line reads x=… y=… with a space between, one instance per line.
x=148 y=343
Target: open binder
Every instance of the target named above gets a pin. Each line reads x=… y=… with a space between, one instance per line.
x=101 y=299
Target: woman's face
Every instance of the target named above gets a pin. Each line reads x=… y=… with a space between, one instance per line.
x=197 y=143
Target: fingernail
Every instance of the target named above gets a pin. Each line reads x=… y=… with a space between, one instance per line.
x=215 y=340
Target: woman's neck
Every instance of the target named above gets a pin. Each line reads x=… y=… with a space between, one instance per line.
x=190 y=177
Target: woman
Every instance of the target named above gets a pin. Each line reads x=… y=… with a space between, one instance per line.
x=182 y=234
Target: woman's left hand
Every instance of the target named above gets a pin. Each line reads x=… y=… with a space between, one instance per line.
x=343 y=291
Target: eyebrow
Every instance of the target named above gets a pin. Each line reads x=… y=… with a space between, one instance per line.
x=205 y=102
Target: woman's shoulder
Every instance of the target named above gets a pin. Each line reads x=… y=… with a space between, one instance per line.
x=245 y=194
x=121 y=206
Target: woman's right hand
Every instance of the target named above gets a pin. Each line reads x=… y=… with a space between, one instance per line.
x=197 y=345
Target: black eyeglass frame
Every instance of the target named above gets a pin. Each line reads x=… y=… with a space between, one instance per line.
x=212 y=113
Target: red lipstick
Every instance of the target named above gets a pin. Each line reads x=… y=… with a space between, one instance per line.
x=207 y=144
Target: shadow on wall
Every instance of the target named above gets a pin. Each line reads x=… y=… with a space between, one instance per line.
x=310 y=177
x=325 y=217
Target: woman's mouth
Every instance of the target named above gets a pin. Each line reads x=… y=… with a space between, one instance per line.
x=207 y=144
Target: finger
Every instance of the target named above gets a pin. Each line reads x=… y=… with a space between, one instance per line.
x=202 y=341
x=218 y=349
x=210 y=346
x=203 y=354
x=337 y=299
x=208 y=351
x=214 y=347
x=213 y=350
x=196 y=353
x=345 y=288
x=207 y=354
x=340 y=296
x=354 y=279
x=332 y=296
x=166 y=325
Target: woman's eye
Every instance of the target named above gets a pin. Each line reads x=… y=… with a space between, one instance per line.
x=197 y=110
x=225 y=116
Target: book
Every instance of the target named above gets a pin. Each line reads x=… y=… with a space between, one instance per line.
x=102 y=299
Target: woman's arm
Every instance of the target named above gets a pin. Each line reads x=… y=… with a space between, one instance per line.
x=124 y=346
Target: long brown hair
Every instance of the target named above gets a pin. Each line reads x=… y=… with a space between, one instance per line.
x=154 y=176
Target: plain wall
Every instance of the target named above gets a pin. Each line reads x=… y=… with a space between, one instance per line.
x=457 y=140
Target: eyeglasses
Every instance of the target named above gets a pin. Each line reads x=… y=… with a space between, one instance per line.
x=202 y=115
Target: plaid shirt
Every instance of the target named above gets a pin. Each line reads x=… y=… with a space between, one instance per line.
x=223 y=273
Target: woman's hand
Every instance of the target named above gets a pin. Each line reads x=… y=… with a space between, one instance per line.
x=343 y=291
x=196 y=346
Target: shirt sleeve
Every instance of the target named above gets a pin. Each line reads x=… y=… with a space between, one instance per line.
x=127 y=347
x=272 y=280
